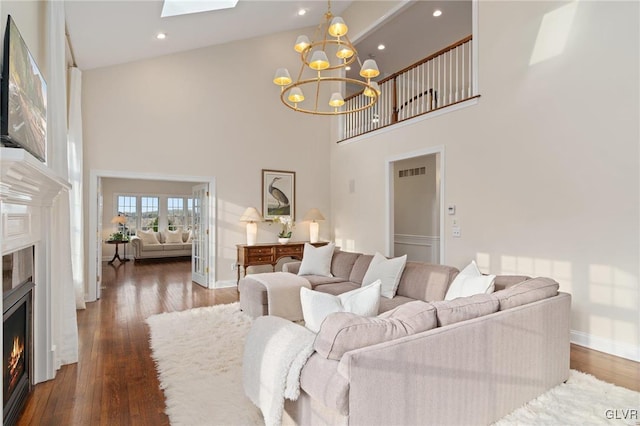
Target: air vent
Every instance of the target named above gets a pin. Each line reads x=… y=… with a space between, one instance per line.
x=412 y=172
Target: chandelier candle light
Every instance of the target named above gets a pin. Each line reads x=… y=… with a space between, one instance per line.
x=330 y=41
x=251 y=216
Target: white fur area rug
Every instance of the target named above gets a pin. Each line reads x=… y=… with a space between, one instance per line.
x=198 y=355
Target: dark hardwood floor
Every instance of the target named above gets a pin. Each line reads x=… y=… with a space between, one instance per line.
x=115 y=383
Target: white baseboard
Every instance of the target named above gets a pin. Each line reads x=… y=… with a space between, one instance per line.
x=225 y=284
x=622 y=350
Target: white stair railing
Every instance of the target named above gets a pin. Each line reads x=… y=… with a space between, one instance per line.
x=439 y=80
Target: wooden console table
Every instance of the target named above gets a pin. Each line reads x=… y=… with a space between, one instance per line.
x=269 y=254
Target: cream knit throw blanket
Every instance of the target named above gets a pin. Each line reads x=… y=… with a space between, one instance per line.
x=283 y=293
x=275 y=352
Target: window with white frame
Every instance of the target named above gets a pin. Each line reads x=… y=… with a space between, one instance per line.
x=149 y=213
x=127 y=207
x=179 y=212
x=156 y=212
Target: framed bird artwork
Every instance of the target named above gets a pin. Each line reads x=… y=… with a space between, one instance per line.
x=278 y=194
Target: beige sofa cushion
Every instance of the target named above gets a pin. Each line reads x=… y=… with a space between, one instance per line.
x=147 y=237
x=527 y=292
x=360 y=268
x=423 y=281
x=505 y=281
x=342 y=264
x=465 y=308
x=173 y=237
x=342 y=332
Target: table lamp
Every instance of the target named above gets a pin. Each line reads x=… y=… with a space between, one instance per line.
x=251 y=216
x=120 y=220
x=314 y=216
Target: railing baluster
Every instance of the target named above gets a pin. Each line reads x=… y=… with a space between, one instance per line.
x=423 y=87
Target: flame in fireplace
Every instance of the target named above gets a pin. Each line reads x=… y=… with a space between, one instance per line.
x=16 y=362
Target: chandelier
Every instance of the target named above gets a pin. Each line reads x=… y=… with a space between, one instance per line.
x=324 y=78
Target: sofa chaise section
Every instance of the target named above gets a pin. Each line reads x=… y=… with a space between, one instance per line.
x=470 y=372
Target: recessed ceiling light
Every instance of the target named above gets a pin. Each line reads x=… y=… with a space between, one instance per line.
x=381 y=47
x=302 y=12
x=161 y=36
x=437 y=12
x=348 y=68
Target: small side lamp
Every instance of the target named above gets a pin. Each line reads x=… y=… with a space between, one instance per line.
x=251 y=216
x=120 y=220
x=313 y=216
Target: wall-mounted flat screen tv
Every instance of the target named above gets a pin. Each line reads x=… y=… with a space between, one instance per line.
x=23 y=97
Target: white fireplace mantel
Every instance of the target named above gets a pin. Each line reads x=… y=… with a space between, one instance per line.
x=26 y=180
x=28 y=189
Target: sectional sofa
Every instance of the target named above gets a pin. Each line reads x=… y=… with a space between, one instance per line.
x=470 y=360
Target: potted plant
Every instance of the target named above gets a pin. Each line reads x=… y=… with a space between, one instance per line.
x=285 y=232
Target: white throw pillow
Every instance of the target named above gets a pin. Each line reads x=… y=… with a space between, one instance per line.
x=187 y=236
x=317 y=260
x=470 y=281
x=316 y=305
x=388 y=271
x=173 y=237
x=147 y=237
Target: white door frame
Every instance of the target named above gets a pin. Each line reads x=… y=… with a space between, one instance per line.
x=390 y=196
x=91 y=290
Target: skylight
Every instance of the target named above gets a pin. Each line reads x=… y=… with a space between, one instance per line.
x=185 y=7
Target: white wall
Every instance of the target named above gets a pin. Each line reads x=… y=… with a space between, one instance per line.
x=210 y=112
x=31 y=19
x=544 y=170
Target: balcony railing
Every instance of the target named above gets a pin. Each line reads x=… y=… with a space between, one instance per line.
x=437 y=81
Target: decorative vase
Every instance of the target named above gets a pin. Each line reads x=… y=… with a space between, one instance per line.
x=283 y=240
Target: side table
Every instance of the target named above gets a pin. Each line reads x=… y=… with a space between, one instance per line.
x=124 y=249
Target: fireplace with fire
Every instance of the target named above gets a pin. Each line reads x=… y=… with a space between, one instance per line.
x=17 y=342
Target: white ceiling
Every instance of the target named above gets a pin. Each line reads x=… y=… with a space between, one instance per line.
x=104 y=33
x=110 y=32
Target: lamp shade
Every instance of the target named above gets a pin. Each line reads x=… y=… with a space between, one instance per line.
x=338 y=28
x=319 y=60
x=302 y=42
x=369 y=69
x=369 y=91
x=336 y=100
x=119 y=219
x=282 y=77
x=313 y=215
x=296 y=95
x=251 y=215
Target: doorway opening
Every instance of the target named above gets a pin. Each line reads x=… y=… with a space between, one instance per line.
x=415 y=205
x=98 y=215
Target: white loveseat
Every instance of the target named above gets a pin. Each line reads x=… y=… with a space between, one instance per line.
x=152 y=245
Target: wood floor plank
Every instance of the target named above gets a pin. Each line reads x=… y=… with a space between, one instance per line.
x=115 y=381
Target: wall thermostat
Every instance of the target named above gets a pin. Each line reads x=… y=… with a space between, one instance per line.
x=451 y=209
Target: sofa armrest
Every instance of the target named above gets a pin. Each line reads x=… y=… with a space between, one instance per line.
x=137 y=244
x=291 y=267
x=490 y=365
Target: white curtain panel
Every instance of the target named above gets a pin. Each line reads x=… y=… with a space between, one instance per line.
x=75 y=178
x=63 y=311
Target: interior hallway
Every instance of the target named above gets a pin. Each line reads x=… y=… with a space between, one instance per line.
x=115 y=381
